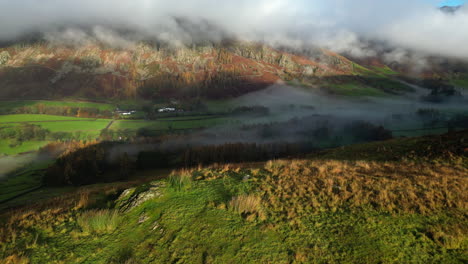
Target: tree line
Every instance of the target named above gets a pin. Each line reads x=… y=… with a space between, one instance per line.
x=30 y=132
x=98 y=162
x=85 y=112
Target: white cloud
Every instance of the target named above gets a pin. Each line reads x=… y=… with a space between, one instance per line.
x=337 y=24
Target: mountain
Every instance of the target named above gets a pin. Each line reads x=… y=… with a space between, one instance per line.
x=154 y=71
x=94 y=71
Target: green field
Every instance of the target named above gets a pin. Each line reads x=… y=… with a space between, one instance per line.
x=72 y=126
x=82 y=128
x=36 y=118
x=27 y=146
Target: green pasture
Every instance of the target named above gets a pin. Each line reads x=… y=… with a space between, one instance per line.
x=26 y=146
x=71 y=126
x=36 y=118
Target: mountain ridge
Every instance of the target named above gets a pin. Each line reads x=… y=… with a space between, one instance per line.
x=228 y=69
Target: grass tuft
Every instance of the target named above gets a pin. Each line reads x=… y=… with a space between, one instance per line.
x=180 y=180
x=246 y=205
x=99 y=221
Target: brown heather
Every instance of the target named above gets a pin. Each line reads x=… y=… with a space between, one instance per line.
x=292 y=188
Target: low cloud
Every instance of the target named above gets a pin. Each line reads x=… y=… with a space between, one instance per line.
x=341 y=25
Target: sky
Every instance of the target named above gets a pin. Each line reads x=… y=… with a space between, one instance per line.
x=452 y=3
x=340 y=25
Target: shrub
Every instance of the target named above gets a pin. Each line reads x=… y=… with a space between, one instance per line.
x=99 y=221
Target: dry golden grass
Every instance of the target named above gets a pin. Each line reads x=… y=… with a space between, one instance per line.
x=15 y=259
x=51 y=212
x=247 y=205
x=293 y=187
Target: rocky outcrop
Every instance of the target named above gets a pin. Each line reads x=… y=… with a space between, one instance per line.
x=4 y=57
x=134 y=197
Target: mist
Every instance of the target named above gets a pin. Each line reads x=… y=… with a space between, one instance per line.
x=340 y=25
x=311 y=117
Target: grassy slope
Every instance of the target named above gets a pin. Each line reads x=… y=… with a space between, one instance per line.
x=393 y=211
x=355 y=89
x=377 y=82
x=13 y=186
x=441 y=148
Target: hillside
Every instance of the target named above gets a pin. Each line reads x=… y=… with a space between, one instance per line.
x=43 y=70
x=328 y=208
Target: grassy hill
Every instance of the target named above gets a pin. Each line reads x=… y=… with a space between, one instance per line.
x=398 y=201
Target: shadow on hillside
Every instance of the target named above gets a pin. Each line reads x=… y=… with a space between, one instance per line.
x=41 y=82
x=451 y=147
x=111 y=161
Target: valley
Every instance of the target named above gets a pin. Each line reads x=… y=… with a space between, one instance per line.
x=285 y=134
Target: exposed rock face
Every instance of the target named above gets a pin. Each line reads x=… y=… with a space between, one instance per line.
x=134 y=197
x=150 y=71
x=4 y=57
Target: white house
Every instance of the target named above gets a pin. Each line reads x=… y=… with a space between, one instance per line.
x=167 y=110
